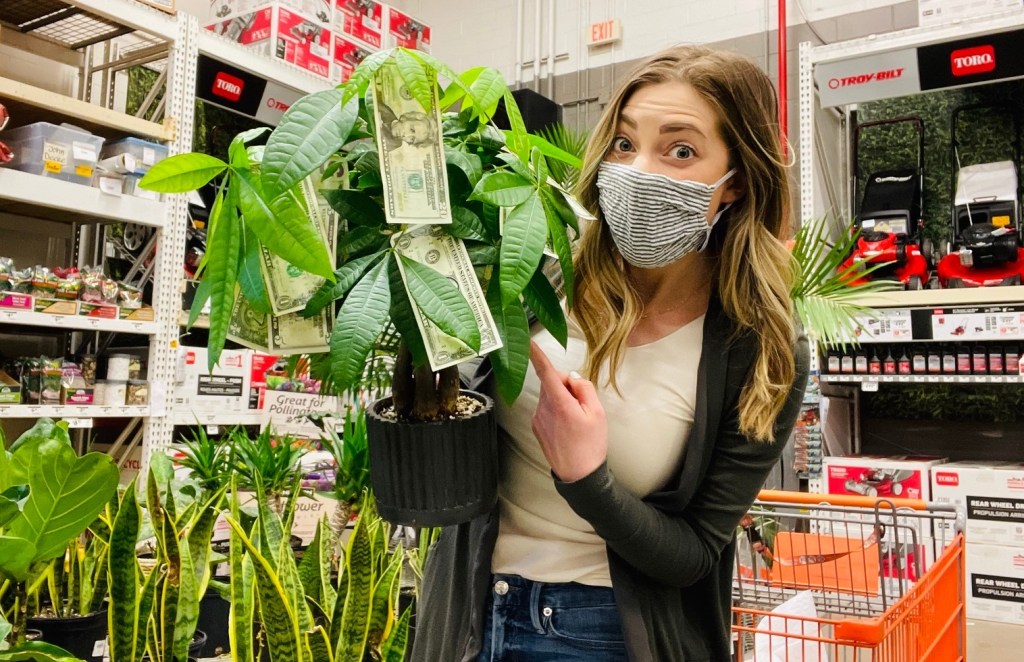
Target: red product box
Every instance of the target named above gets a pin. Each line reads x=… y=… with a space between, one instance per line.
x=899 y=477
x=347 y=56
x=360 y=19
x=16 y=301
x=407 y=32
x=104 y=311
x=283 y=34
x=261 y=363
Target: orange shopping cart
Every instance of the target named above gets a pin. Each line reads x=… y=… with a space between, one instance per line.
x=833 y=578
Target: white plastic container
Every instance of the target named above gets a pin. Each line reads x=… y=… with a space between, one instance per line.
x=144 y=154
x=50 y=150
x=118 y=368
x=115 y=393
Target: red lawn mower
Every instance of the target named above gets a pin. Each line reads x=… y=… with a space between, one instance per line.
x=889 y=217
x=985 y=249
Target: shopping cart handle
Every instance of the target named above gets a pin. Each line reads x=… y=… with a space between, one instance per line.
x=812 y=499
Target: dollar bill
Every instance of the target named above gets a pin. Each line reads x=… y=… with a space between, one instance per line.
x=289 y=287
x=412 y=162
x=294 y=334
x=447 y=255
x=249 y=327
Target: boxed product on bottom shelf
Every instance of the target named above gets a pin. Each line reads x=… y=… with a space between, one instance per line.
x=995 y=583
x=992 y=496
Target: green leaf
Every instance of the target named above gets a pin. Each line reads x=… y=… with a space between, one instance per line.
x=467 y=163
x=540 y=296
x=360 y=320
x=314 y=128
x=418 y=79
x=358 y=240
x=223 y=249
x=238 y=154
x=557 y=203
x=519 y=138
x=403 y=316
x=345 y=278
x=16 y=555
x=240 y=633
x=482 y=254
x=182 y=173
x=547 y=149
x=355 y=622
x=66 y=492
x=250 y=277
x=359 y=81
x=37 y=651
x=11 y=502
x=487 y=90
x=380 y=605
x=563 y=249
x=124 y=581
x=522 y=246
x=355 y=207
x=198 y=301
x=394 y=647
x=511 y=360
x=279 y=621
x=467 y=225
x=283 y=226
x=504 y=189
x=440 y=301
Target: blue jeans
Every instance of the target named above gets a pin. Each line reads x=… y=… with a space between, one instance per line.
x=531 y=621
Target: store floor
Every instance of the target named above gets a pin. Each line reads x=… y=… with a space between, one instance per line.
x=994 y=642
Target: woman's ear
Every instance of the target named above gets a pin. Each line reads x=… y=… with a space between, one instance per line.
x=735 y=188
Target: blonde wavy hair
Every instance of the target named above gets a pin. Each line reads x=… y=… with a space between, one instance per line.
x=753 y=270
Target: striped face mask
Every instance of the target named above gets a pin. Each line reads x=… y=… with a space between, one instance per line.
x=655 y=220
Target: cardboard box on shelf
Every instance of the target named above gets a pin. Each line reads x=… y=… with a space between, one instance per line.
x=318 y=10
x=347 y=56
x=992 y=495
x=281 y=33
x=406 y=31
x=101 y=310
x=199 y=391
x=16 y=301
x=10 y=390
x=144 y=314
x=55 y=306
x=260 y=364
x=360 y=19
x=995 y=583
x=900 y=477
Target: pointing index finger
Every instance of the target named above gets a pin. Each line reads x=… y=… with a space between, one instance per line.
x=547 y=373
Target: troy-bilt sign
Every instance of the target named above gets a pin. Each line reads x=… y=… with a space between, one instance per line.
x=975 y=60
x=243 y=92
x=863 y=79
x=867 y=78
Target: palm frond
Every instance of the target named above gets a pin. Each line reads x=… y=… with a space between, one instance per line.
x=823 y=293
x=569 y=140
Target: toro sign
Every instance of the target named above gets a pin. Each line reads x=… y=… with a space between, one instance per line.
x=976 y=60
x=227 y=86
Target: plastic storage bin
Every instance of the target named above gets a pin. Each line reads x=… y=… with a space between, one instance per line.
x=59 y=151
x=145 y=154
x=130 y=186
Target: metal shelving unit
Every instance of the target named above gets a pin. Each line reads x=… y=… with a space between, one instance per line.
x=833 y=80
x=102 y=37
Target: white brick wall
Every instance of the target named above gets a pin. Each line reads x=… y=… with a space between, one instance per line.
x=473 y=32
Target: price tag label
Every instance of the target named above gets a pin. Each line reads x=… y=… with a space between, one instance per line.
x=83 y=170
x=78 y=423
x=964 y=379
x=148 y=156
x=110 y=185
x=869 y=387
x=212 y=429
x=997 y=379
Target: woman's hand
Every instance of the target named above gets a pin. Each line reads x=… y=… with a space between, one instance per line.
x=569 y=421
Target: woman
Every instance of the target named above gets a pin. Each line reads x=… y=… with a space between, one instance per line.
x=621 y=491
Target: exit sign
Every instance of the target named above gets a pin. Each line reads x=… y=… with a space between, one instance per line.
x=604 y=32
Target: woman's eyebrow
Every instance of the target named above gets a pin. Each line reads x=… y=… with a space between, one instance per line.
x=679 y=126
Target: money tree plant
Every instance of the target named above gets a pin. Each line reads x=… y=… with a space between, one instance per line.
x=443 y=223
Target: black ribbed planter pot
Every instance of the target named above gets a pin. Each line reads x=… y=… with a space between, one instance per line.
x=78 y=635
x=434 y=474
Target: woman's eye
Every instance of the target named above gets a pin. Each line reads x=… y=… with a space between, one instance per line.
x=621 y=144
x=683 y=152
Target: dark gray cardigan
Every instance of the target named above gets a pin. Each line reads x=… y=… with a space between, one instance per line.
x=670 y=554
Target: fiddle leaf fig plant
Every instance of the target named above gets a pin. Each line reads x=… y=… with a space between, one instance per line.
x=508 y=202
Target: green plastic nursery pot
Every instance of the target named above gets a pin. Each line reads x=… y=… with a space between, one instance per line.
x=434 y=474
x=82 y=636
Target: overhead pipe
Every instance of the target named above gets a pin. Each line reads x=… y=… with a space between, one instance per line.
x=519 y=44
x=536 y=45
x=551 y=49
x=783 y=73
